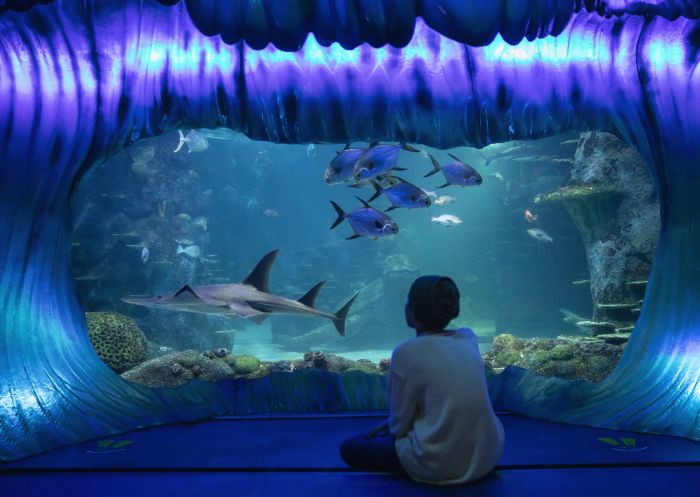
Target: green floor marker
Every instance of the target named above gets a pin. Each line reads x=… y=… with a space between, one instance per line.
x=122 y=443
x=629 y=442
x=609 y=441
x=625 y=444
x=108 y=446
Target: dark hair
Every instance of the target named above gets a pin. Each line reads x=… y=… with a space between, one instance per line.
x=434 y=300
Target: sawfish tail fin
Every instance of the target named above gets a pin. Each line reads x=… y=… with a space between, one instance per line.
x=341 y=314
x=182 y=141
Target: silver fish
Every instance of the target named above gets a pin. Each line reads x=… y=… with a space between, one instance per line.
x=191 y=251
x=196 y=142
x=311 y=150
x=497 y=175
x=403 y=194
x=341 y=167
x=456 y=173
x=443 y=200
x=250 y=299
x=366 y=221
x=145 y=253
x=379 y=159
x=540 y=235
x=447 y=220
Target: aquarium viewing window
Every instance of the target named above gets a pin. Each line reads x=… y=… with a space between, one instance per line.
x=153 y=148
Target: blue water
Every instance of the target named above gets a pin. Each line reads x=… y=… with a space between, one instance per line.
x=258 y=196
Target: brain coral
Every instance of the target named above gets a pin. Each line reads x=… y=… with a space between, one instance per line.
x=117 y=340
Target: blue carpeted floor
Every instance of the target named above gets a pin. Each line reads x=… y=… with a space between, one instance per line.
x=297 y=456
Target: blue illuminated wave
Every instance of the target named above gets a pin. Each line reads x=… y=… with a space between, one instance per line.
x=81 y=80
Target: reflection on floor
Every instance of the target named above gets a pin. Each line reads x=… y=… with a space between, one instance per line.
x=298 y=456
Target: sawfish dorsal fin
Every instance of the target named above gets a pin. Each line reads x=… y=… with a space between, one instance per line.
x=186 y=293
x=260 y=275
x=309 y=298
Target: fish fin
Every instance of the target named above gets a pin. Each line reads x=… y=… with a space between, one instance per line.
x=259 y=277
x=436 y=166
x=390 y=208
x=355 y=185
x=457 y=159
x=377 y=191
x=341 y=214
x=186 y=294
x=341 y=314
x=373 y=144
x=347 y=147
x=364 y=203
x=353 y=237
x=337 y=153
x=182 y=141
x=443 y=186
x=258 y=318
x=408 y=147
x=397 y=168
x=309 y=297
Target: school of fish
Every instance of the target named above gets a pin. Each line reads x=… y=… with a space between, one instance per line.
x=375 y=166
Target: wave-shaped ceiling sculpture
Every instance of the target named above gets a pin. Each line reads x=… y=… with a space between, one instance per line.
x=81 y=79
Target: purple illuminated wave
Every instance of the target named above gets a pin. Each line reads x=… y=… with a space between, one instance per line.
x=80 y=80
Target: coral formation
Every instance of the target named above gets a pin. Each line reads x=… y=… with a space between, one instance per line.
x=178 y=368
x=335 y=363
x=246 y=364
x=590 y=358
x=117 y=340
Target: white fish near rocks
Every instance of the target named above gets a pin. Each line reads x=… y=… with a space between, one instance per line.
x=145 y=253
x=196 y=142
x=447 y=220
x=191 y=251
x=540 y=235
x=311 y=150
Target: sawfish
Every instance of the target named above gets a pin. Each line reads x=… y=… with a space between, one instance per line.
x=250 y=299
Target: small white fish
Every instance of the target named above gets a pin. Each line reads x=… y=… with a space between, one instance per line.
x=196 y=142
x=443 y=200
x=498 y=176
x=540 y=235
x=270 y=213
x=447 y=220
x=191 y=251
x=201 y=223
x=311 y=150
x=144 y=254
x=251 y=204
